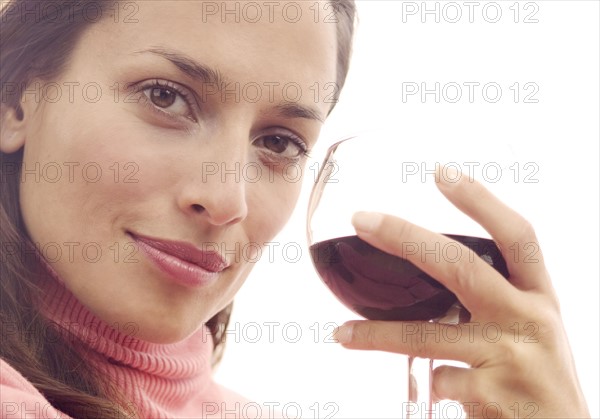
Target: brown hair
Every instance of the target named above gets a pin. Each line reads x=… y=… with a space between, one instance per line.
x=38 y=47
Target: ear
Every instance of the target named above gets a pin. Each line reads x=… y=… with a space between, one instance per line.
x=12 y=134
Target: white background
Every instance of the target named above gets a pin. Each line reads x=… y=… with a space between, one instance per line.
x=560 y=133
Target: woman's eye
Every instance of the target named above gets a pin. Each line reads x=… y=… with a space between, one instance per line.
x=276 y=143
x=162 y=97
x=168 y=100
x=282 y=145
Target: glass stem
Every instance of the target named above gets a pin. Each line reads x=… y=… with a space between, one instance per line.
x=420 y=380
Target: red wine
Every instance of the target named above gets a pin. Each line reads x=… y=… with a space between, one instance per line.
x=380 y=286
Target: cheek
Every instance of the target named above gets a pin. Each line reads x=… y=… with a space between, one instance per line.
x=75 y=176
x=270 y=207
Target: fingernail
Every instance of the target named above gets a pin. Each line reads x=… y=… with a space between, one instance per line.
x=366 y=222
x=449 y=175
x=343 y=334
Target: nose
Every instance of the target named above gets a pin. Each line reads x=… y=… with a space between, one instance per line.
x=217 y=192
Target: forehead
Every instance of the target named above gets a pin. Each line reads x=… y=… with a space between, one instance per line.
x=244 y=41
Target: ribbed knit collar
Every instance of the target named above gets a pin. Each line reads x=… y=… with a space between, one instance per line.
x=162 y=380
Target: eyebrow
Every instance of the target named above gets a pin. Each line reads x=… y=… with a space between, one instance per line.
x=295 y=110
x=187 y=65
x=196 y=70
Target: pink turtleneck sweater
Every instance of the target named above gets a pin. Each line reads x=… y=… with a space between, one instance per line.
x=162 y=381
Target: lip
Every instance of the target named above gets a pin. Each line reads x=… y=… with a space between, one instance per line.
x=181 y=261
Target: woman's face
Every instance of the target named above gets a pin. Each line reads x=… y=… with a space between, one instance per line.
x=185 y=126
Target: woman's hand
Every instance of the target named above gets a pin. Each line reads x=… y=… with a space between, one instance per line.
x=515 y=341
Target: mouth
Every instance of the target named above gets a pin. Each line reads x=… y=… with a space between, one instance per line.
x=182 y=261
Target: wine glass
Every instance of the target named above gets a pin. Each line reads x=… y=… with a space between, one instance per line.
x=367 y=172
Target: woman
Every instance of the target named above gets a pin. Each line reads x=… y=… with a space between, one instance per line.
x=127 y=228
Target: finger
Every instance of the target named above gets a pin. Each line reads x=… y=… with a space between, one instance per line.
x=478 y=286
x=419 y=339
x=513 y=233
x=455 y=383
